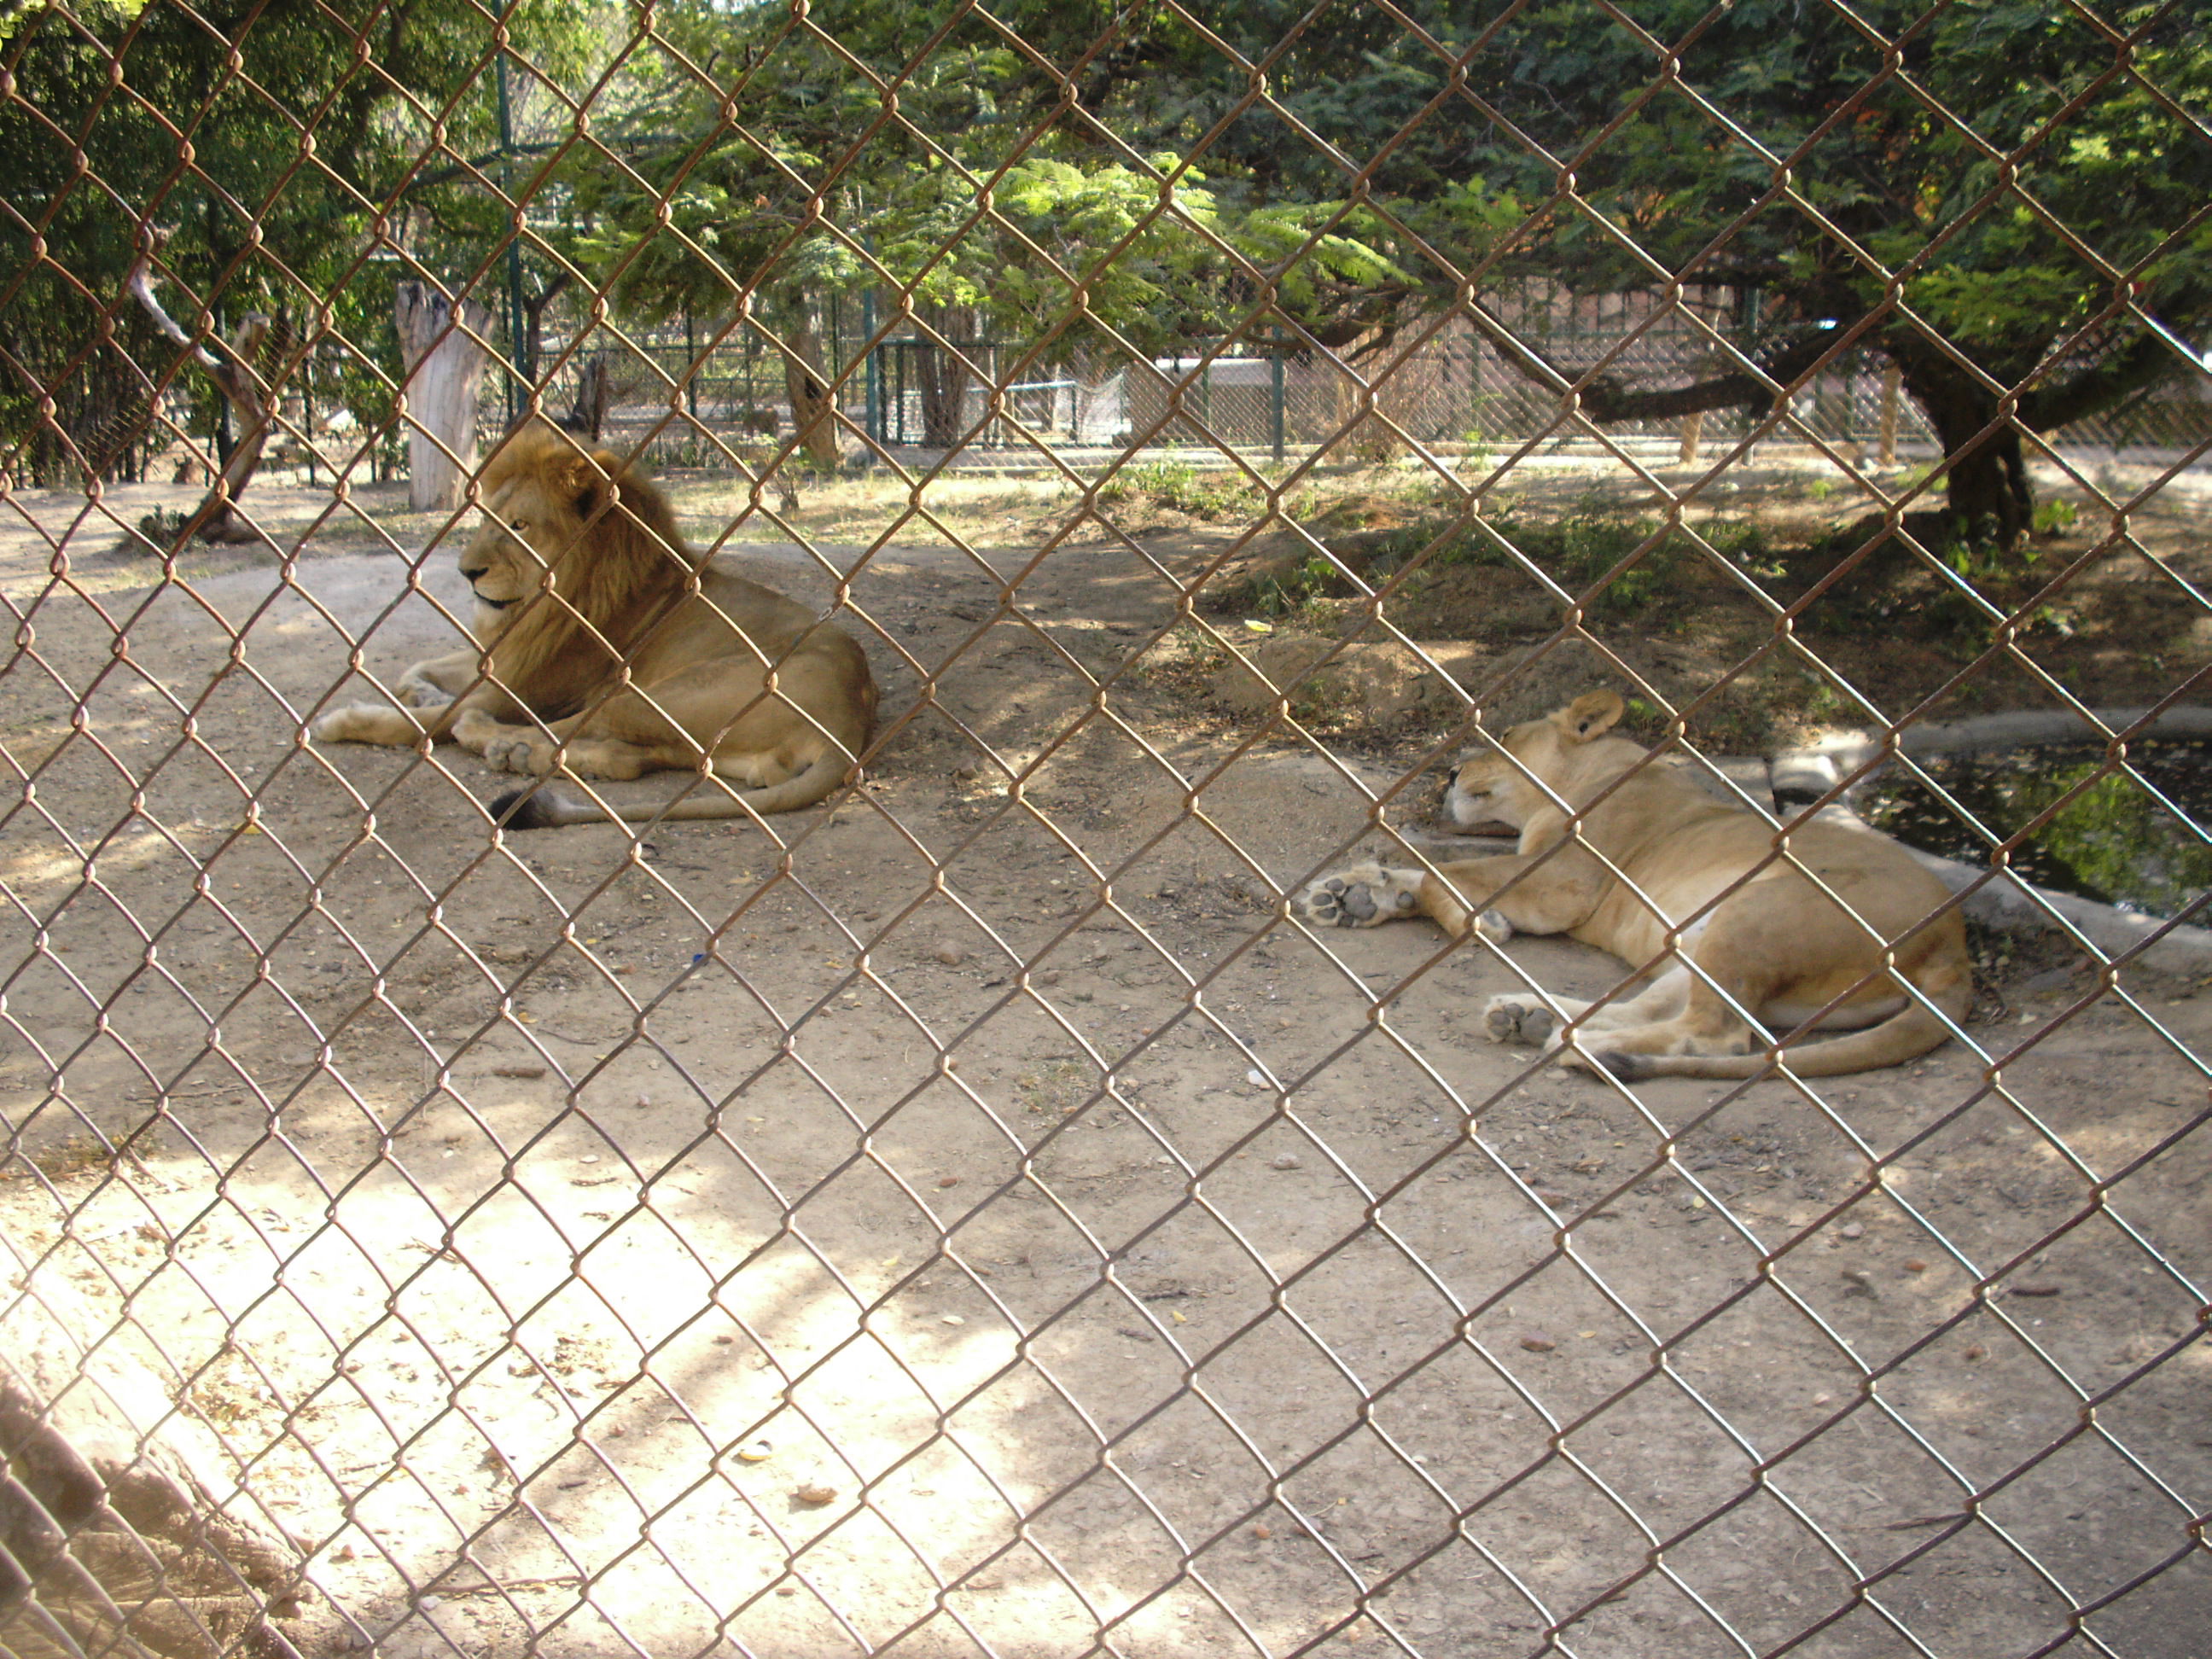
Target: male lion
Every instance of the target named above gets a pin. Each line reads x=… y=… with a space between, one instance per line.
x=609 y=649
x=1779 y=946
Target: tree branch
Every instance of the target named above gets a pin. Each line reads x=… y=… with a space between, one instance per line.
x=2147 y=360
x=140 y=286
x=1606 y=399
x=214 y=519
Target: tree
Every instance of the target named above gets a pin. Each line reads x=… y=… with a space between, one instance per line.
x=277 y=145
x=757 y=173
x=2012 y=213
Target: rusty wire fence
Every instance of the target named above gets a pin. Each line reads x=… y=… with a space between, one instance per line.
x=989 y=1212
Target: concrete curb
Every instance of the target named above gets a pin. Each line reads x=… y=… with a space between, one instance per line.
x=2010 y=905
x=1815 y=768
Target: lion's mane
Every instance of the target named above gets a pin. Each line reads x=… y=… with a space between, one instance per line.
x=611 y=548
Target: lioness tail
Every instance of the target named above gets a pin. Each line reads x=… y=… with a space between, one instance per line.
x=1909 y=1033
x=542 y=807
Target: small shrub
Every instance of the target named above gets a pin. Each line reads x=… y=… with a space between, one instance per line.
x=160 y=527
x=1287 y=592
x=1181 y=485
x=1160 y=480
x=1580 y=549
x=2055 y=517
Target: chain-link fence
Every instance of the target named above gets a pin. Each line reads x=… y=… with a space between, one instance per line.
x=920 y=1152
x=1454 y=394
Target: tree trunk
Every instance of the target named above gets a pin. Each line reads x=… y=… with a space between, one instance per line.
x=1992 y=504
x=587 y=415
x=534 y=328
x=445 y=375
x=942 y=377
x=805 y=382
x=113 y=1533
x=216 y=518
x=1693 y=431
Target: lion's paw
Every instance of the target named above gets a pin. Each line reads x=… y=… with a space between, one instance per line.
x=1364 y=896
x=524 y=757
x=357 y=722
x=415 y=692
x=1514 y=1018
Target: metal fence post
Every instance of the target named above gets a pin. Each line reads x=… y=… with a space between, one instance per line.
x=1276 y=408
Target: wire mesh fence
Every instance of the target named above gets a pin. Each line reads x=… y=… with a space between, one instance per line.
x=601 y=1065
x=1453 y=392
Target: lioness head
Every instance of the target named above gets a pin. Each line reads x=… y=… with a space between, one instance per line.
x=554 y=518
x=1491 y=793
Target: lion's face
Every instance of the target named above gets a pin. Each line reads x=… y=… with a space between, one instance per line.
x=1491 y=793
x=517 y=551
x=569 y=540
x=501 y=569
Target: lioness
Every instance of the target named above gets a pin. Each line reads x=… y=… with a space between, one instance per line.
x=1779 y=946
x=609 y=650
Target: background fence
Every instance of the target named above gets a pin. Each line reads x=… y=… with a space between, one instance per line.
x=1453 y=392
x=984 y=1213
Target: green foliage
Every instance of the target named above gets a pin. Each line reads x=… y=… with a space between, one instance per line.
x=2111 y=840
x=2055 y=517
x=1975 y=170
x=960 y=205
x=1617 y=565
x=1586 y=549
x=300 y=165
x=1297 y=591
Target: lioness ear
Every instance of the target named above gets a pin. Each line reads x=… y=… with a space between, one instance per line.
x=1589 y=715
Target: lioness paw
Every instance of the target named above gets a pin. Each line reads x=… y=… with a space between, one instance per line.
x=1513 y=1018
x=1363 y=896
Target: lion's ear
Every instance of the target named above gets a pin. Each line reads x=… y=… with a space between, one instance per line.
x=586 y=483
x=1589 y=715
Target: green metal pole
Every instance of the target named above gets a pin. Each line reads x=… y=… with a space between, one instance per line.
x=1749 y=304
x=521 y=371
x=1275 y=405
x=690 y=366
x=875 y=379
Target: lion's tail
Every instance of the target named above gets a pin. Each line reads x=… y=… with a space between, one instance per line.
x=539 y=807
x=1909 y=1033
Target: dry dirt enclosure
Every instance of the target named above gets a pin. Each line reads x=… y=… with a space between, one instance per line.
x=967 y=1221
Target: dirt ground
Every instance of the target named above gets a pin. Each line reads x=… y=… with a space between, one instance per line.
x=972 y=1219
